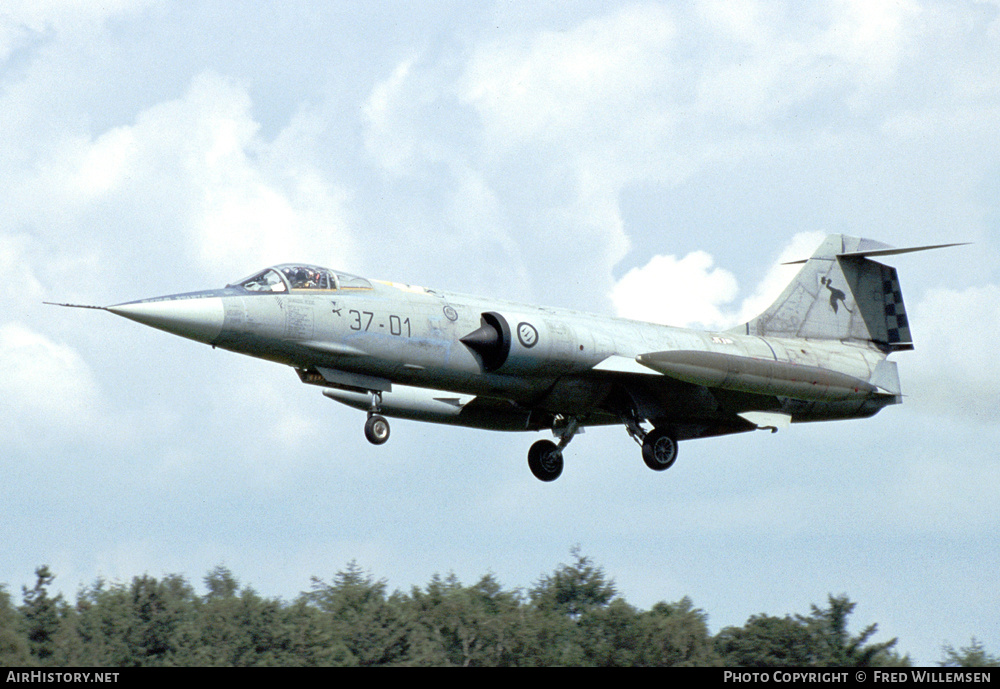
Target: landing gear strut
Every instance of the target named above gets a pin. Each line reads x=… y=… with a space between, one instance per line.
x=545 y=458
x=376 y=427
x=659 y=447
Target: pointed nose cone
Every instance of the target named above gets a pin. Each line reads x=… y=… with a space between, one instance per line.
x=194 y=318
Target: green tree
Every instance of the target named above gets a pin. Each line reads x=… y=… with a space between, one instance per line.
x=819 y=639
x=573 y=589
x=221 y=584
x=834 y=645
x=610 y=635
x=560 y=603
x=675 y=635
x=146 y=622
x=309 y=639
x=472 y=626
x=363 y=620
x=570 y=617
x=101 y=620
x=238 y=630
x=161 y=615
x=13 y=644
x=973 y=655
x=766 y=641
x=41 y=615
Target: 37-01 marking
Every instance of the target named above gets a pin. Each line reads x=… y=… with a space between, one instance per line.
x=362 y=321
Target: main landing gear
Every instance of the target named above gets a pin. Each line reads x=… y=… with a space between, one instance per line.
x=545 y=458
x=376 y=427
x=659 y=450
x=659 y=447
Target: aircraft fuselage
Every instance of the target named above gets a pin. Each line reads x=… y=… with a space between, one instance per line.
x=819 y=352
x=551 y=360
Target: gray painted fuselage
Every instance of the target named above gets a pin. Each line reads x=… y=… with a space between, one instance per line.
x=412 y=336
x=818 y=353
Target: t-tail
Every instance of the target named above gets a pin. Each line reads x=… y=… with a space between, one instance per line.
x=841 y=294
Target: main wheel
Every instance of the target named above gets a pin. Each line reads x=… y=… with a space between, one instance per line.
x=659 y=450
x=376 y=429
x=545 y=460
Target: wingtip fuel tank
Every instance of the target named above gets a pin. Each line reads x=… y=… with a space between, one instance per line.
x=760 y=376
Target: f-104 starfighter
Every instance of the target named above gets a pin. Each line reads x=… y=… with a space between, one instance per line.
x=818 y=353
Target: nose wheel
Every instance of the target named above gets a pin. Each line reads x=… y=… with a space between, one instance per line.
x=376 y=427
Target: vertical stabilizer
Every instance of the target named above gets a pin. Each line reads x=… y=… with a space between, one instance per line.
x=841 y=294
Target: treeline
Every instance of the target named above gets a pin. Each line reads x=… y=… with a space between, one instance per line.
x=572 y=616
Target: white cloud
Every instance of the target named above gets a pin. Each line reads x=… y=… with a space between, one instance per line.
x=954 y=369
x=770 y=58
x=570 y=85
x=21 y=20
x=195 y=173
x=682 y=292
x=575 y=116
x=692 y=292
x=21 y=283
x=46 y=389
x=802 y=245
x=388 y=137
x=871 y=34
x=244 y=208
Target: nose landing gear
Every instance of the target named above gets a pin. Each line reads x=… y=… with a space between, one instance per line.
x=376 y=427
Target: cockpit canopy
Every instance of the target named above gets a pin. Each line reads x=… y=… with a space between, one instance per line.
x=297 y=276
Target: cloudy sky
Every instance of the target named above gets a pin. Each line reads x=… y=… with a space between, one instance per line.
x=655 y=160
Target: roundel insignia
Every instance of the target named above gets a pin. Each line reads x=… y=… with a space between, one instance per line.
x=527 y=334
x=450 y=313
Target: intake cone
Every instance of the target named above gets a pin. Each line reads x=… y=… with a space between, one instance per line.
x=491 y=341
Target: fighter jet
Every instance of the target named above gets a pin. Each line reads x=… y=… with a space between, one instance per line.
x=818 y=353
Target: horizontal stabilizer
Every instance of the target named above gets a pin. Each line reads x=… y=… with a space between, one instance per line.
x=894 y=252
x=841 y=293
x=888 y=251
